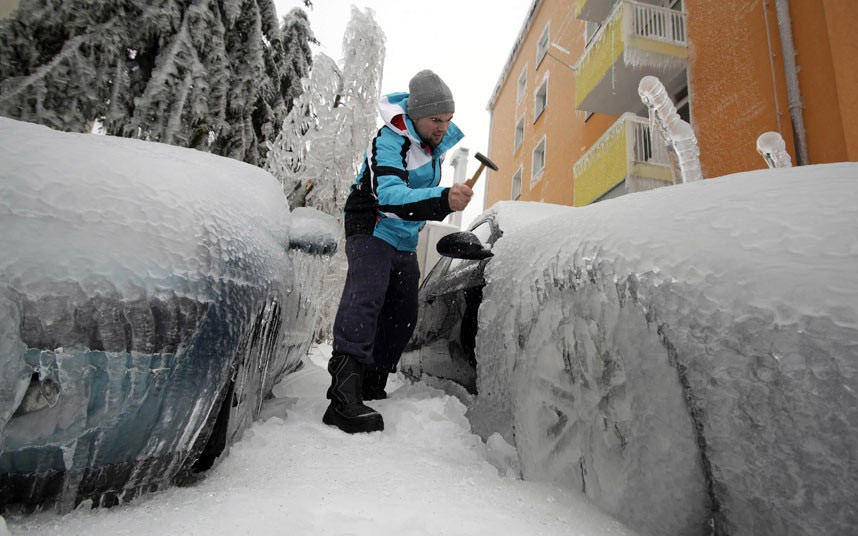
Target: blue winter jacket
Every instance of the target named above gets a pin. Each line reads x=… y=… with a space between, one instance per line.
x=397 y=188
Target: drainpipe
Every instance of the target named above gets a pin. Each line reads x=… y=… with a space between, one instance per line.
x=793 y=90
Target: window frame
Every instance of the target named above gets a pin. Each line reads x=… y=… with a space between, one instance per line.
x=546 y=37
x=516 y=142
x=544 y=84
x=535 y=174
x=520 y=174
x=521 y=86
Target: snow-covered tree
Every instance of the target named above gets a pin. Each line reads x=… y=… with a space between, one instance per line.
x=305 y=154
x=321 y=144
x=216 y=75
x=296 y=55
x=58 y=59
x=323 y=137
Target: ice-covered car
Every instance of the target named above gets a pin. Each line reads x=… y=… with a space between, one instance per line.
x=444 y=337
x=686 y=357
x=150 y=298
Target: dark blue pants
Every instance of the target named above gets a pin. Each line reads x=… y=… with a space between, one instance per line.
x=378 y=308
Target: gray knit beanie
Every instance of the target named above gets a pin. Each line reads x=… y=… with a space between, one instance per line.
x=429 y=95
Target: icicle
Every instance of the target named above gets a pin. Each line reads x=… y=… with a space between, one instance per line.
x=674 y=131
x=772 y=148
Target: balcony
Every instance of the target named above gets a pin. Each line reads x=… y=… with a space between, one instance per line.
x=637 y=40
x=628 y=151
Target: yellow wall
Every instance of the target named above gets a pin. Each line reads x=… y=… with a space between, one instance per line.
x=605 y=168
x=609 y=46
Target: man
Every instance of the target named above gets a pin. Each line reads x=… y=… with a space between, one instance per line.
x=394 y=194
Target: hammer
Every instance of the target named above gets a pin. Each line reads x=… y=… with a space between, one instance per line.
x=484 y=161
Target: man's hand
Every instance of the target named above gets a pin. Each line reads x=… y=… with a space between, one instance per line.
x=459 y=196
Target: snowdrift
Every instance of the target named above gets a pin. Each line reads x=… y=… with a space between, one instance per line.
x=688 y=356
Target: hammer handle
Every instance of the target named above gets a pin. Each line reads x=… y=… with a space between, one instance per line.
x=473 y=180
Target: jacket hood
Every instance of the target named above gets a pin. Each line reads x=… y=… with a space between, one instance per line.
x=396 y=104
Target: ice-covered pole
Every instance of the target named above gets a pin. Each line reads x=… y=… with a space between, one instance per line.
x=673 y=130
x=772 y=148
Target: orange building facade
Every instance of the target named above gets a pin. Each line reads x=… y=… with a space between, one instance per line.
x=568 y=126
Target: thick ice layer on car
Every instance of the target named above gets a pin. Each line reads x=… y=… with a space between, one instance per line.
x=78 y=207
x=143 y=289
x=686 y=353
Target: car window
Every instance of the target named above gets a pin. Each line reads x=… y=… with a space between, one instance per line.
x=483 y=232
x=438 y=270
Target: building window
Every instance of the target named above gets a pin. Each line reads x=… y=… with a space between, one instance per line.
x=540 y=100
x=516 y=185
x=522 y=85
x=538 y=161
x=519 y=134
x=542 y=46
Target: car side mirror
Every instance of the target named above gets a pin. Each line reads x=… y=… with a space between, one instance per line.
x=317 y=246
x=463 y=245
x=313 y=232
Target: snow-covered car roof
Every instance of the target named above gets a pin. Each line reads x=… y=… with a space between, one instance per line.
x=136 y=212
x=512 y=215
x=772 y=237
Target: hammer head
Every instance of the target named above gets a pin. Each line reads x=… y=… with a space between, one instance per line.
x=485 y=160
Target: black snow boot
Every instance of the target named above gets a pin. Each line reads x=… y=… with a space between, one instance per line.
x=373 y=384
x=347 y=411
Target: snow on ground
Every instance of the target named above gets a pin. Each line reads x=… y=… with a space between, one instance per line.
x=291 y=474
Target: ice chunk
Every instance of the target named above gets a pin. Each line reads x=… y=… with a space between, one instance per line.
x=312 y=228
x=772 y=148
x=673 y=130
x=502 y=456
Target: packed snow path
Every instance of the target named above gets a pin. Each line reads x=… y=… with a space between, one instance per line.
x=291 y=474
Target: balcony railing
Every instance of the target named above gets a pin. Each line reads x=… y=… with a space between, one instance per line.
x=647 y=148
x=628 y=151
x=658 y=23
x=636 y=40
